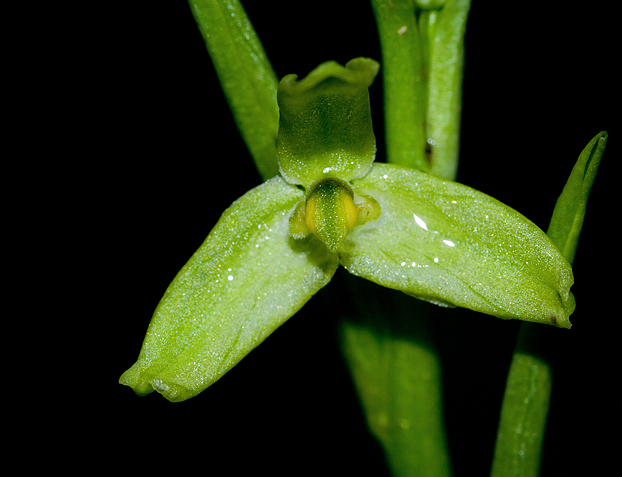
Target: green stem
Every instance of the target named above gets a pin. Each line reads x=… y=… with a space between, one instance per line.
x=395 y=367
x=405 y=91
x=422 y=59
x=246 y=76
x=446 y=34
x=397 y=373
x=525 y=408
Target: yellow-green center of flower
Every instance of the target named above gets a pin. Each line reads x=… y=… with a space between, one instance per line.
x=331 y=211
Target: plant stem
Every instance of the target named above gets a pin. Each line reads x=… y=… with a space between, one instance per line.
x=405 y=91
x=423 y=63
x=389 y=350
x=525 y=408
x=397 y=373
x=246 y=76
x=446 y=38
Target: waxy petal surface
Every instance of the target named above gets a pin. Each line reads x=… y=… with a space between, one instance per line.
x=447 y=243
x=247 y=279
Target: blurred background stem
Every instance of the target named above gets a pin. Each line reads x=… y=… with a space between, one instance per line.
x=386 y=335
x=397 y=372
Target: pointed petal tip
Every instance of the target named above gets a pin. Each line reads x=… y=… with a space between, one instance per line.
x=141 y=385
x=569 y=305
x=131 y=378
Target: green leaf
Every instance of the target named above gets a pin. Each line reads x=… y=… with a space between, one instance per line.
x=325 y=127
x=245 y=74
x=569 y=212
x=247 y=279
x=527 y=393
x=447 y=243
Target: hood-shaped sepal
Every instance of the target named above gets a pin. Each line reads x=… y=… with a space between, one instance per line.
x=325 y=127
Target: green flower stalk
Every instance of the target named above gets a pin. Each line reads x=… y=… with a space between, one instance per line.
x=332 y=205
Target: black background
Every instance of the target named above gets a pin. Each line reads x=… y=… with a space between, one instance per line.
x=539 y=84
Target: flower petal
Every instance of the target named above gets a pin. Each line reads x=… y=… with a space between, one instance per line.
x=247 y=279
x=449 y=244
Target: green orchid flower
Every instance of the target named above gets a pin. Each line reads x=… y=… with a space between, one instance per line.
x=331 y=205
